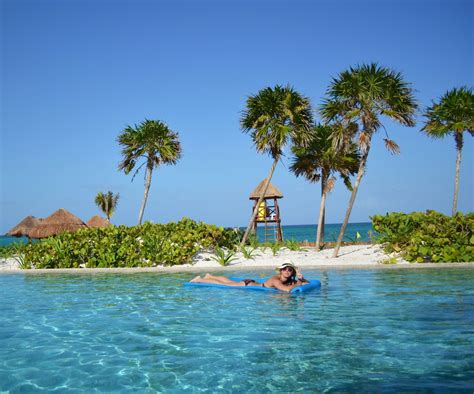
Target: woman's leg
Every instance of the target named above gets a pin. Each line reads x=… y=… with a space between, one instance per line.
x=226 y=281
x=219 y=280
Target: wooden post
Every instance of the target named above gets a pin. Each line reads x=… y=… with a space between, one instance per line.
x=279 y=235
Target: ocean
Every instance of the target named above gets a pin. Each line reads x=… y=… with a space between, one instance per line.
x=300 y=232
x=307 y=232
x=6 y=240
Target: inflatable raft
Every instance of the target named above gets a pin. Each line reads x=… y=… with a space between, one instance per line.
x=312 y=285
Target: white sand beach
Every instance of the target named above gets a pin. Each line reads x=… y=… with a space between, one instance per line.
x=353 y=256
x=306 y=257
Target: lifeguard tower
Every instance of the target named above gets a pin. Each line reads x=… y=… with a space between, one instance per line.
x=268 y=212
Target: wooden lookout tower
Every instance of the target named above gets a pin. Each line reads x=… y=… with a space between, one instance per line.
x=268 y=211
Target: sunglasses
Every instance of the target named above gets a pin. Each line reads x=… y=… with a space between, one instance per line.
x=288 y=269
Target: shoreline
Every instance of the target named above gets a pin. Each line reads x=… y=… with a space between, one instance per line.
x=368 y=256
x=182 y=269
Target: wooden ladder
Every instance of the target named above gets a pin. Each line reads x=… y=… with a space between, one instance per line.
x=270 y=231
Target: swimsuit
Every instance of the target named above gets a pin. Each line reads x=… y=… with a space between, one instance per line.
x=247 y=281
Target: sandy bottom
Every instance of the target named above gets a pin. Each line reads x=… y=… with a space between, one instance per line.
x=353 y=256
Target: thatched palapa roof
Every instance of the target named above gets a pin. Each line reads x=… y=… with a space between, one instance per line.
x=97 y=221
x=272 y=191
x=60 y=221
x=22 y=228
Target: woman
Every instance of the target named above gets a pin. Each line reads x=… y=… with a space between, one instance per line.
x=287 y=279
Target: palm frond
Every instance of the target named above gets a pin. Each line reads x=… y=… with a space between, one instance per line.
x=151 y=140
x=274 y=116
x=320 y=155
x=454 y=113
x=392 y=146
x=347 y=182
x=136 y=171
x=363 y=141
x=330 y=185
x=366 y=92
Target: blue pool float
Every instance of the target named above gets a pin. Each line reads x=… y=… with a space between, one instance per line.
x=312 y=285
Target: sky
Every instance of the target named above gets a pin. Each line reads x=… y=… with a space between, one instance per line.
x=75 y=73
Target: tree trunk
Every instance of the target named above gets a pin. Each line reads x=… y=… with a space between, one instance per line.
x=107 y=209
x=255 y=211
x=149 y=170
x=459 y=143
x=360 y=174
x=322 y=211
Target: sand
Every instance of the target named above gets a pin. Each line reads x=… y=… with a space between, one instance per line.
x=353 y=256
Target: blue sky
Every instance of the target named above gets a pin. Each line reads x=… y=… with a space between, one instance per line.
x=75 y=73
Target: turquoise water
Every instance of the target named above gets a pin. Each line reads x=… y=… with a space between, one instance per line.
x=364 y=331
x=307 y=232
x=7 y=240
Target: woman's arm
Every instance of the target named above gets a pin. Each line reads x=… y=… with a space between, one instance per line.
x=277 y=284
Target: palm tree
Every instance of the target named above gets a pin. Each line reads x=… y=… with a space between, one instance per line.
x=454 y=114
x=107 y=203
x=357 y=99
x=274 y=117
x=152 y=141
x=319 y=161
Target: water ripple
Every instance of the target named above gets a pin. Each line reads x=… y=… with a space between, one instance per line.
x=366 y=330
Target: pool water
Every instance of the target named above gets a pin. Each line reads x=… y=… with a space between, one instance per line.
x=365 y=330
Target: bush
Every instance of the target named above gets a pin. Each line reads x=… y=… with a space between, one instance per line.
x=427 y=237
x=7 y=251
x=120 y=246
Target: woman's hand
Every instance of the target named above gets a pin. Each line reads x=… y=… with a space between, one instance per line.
x=299 y=275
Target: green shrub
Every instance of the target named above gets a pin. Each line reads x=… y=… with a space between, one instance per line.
x=14 y=251
x=427 y=237
x=275 y=247
x=293 y=245
x=249 y=252
x=120 y=246
x=7 y=251
x=223 y=256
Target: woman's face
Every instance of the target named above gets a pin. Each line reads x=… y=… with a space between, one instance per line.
x=287 y=272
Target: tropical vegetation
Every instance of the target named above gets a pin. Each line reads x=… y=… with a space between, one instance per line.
x=107 y=203
x=452 y=115
x=427 y=236
x=356 y=100
x=155 y=143
x=145 y=245
x=275 y=117
x=319 y=160
x=223 y=256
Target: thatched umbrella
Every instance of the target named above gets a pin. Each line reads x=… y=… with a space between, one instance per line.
x=60 y=221
x=22 y=228
x=97 y=222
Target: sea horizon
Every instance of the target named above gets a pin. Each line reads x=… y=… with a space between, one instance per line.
x=355 y=231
